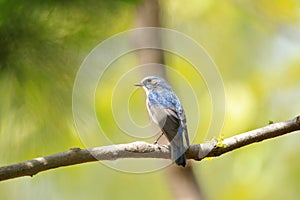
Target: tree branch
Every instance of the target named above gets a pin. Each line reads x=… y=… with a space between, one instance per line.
x=145 y=150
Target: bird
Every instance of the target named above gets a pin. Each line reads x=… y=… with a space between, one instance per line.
x=166 y=111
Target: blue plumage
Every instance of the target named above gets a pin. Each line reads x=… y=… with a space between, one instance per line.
x=166 y=110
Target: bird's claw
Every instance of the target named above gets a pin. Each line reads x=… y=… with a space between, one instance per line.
x=155 y=143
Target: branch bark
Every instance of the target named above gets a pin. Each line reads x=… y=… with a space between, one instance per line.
x=145 y=150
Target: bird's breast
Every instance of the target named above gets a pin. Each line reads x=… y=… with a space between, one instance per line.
x=153 y=115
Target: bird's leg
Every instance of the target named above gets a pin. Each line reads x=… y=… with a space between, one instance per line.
x=155 y=142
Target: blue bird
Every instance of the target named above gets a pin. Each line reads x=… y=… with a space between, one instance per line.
x=167 y=112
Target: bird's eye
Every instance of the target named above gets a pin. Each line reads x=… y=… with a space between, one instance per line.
x=154 y=82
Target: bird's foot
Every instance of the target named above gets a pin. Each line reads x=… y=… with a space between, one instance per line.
x=156 y=144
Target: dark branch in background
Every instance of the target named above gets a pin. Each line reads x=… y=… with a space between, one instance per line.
x=145 y=150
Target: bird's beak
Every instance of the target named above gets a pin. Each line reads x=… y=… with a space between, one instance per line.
x=139 y=84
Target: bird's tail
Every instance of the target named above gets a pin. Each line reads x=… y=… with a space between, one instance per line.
x=178 y=153
x=181 y=160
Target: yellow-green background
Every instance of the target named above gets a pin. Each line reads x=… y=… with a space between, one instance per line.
x=255 y=44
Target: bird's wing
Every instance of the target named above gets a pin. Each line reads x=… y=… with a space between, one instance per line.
x=172 y=127
x=174 y=131
x=167 y=119
x=171 y=124
x=163 y=110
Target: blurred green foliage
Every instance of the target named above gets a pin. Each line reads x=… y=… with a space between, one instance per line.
x=255 y=44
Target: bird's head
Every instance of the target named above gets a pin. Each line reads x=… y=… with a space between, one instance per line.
x=153 y=82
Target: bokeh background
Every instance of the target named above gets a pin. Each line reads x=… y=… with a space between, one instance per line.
x=255 y=45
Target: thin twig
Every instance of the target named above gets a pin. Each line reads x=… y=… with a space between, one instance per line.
x=145 y=150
